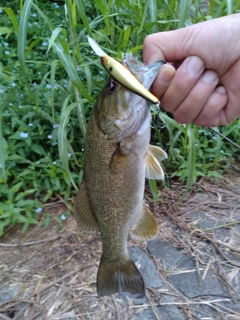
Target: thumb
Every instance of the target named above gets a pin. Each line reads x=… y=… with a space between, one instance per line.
x=168 y=46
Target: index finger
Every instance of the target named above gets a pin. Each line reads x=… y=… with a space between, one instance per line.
x=151 y=51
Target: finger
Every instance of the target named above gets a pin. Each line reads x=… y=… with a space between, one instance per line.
x=197 y=40
x=186 y=77
x=167 y=46
x=212 y=114
x=230 y=81
x=163 y=79
x=190 y=108
x=152 y=49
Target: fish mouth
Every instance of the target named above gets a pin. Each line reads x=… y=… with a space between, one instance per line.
x=146 y=74
x=130 y=114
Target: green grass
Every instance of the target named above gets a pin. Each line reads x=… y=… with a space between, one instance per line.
x=49 y=81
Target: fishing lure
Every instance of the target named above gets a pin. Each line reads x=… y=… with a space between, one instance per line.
x=121 y=74
x=129 y=81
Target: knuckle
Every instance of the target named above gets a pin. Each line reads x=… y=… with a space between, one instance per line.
x=182 y=117
x=146 y=40
x=168 y=106
x=183 y=86
x=197 y=98
x=149 y=40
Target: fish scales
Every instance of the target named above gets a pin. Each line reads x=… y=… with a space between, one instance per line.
x=117 y=181
x=118 y=157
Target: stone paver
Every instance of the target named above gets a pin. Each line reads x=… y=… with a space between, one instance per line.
x=184 y=275
x=192 y=285
x=167 y=313
x=152 y=278
x=163 y=251
x=181 y=273
x=7 y=292
x=203 y=220
x=170 y=312
x=147 y=268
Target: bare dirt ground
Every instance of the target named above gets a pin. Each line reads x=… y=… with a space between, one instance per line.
x=191 y=271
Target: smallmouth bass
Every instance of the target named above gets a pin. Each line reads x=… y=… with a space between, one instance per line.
x=118 y=157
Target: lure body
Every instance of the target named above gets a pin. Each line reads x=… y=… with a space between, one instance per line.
x=120 y=73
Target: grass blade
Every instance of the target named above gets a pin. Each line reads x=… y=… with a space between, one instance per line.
x=218 y=147
x=81 y=11
x=22 y=35
x=153 y=13
x=70 y=68
x=184 y=9
x=191 y=160
x=154 y=190
x=13 y=19
x=52 y=79
x=63 y=142
x=54 y=36
x=3 y=148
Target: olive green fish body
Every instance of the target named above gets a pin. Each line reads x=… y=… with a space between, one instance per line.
x=111 y=196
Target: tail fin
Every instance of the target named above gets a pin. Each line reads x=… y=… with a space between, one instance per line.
x=119 y=276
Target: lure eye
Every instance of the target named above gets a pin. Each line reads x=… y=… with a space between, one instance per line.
x=112 y=87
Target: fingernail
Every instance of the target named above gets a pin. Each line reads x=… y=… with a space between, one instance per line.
x=209 y=77
x=165 y=75
x=221 y=90
x=195 y=65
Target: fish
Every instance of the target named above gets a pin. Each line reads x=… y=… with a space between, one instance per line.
x=117 y=159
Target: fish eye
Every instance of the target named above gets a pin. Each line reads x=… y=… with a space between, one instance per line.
x=112 y=87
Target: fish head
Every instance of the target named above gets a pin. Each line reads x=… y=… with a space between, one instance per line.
x=120 y=113
x=146 y=74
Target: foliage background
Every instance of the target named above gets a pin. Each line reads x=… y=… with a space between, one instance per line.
x=49 y=81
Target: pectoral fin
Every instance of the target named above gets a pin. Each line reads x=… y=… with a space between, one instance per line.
x=146 y=227
x=118 y=161
x=153 y=169
x=82 y=211
x=158 y=152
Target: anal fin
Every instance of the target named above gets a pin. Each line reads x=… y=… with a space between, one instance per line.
x=82 y=211
x=146 y=227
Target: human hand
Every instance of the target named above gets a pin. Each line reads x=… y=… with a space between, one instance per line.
x=205 y=89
